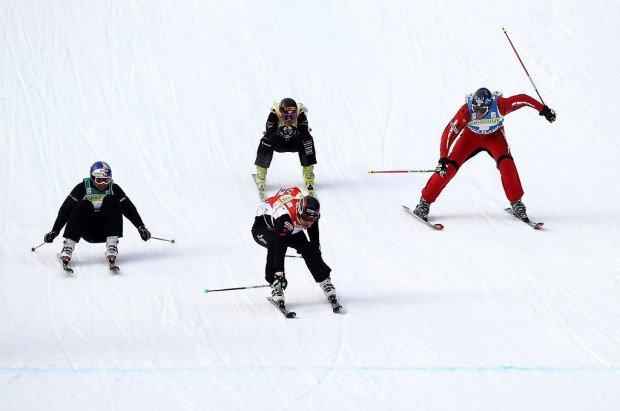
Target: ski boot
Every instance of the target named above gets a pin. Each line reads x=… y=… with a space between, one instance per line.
x=308 y=173
x=328 y=288
x=111 y=246
x=277 y=289
x=330 y=292
x=518 y=210
x=67 y=250
x=422 y=209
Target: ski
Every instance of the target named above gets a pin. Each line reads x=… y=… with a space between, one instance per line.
x=261 y=193
x=436 y=226
x=336 y=307
x=282 y=308
x=535 y=226
x=311 y=191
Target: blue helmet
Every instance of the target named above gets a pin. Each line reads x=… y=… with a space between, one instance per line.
x=100 y=169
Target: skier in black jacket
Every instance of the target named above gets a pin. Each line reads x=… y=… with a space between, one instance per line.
x=279 y=223
x=94 y=211
x=286 y=131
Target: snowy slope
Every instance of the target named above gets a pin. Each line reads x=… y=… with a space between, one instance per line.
x=487 y=314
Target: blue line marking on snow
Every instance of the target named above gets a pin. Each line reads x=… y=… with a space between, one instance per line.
x=293 y=368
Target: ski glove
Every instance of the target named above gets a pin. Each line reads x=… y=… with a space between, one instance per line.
x=144 y=233
x=442 y=167
x=49 y=237
x=548 y=113
x=280 y=279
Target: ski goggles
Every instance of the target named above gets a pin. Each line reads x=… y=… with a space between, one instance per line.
x=102 y=180
x=289 y=118
x=309 y=217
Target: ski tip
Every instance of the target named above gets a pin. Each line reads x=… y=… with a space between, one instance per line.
x=438 y=226
x=291 y=314
x=538 y=226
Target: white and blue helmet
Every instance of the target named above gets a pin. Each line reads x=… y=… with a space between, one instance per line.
x=100 y=169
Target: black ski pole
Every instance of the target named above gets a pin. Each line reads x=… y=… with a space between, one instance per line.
x=163 y=239
x=34 y=248
x=237 y=288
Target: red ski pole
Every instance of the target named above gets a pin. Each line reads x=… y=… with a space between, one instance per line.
x=523 y=65
x=399 y=171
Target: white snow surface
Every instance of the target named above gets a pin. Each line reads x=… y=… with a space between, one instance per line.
x=488 y=314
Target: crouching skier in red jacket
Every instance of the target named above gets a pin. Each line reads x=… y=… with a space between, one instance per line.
x=479 y=126
x=279 y=223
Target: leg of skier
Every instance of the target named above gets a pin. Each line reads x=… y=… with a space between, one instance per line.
x=465 y=148
x=75 y=228
x=511 y=182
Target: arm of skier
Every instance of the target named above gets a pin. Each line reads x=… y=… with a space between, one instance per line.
x=76 y=195
x=283 y=227
x=452 y=131
x=302 y=124
x=271 y=126
x=509 y=104
x=313 y=233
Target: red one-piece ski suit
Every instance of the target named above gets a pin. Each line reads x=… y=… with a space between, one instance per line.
x=471 y=143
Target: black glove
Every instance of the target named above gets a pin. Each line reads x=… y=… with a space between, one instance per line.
x=144 y=233
x=280 y=279
x=442 y=167
x=548 y=113
x=49 y=237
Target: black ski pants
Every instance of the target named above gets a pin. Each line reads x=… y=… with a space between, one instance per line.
x=309 y=252
x=303 y=144
x=94 y=227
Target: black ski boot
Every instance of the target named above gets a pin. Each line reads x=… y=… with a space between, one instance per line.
x=422 y=209
x=518 y=210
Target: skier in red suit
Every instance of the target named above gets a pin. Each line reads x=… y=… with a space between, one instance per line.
x=478 y=126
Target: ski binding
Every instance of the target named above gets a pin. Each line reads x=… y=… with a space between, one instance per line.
x=436 y=226
x=282 y=308
x=113 y=266
x=336 y=307
x=535 y=226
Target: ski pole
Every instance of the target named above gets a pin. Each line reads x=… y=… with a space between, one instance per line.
x=34 y=248
x=237 y=288
x=523 y=65
x=163 y=239
x=400 y=171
